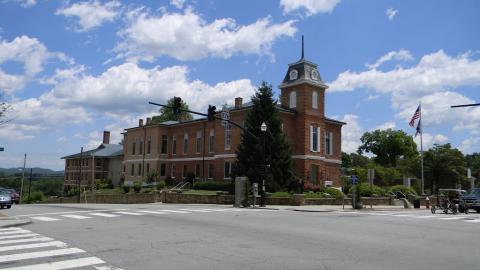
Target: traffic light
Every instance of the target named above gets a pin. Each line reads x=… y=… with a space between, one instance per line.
x=211 y=113
x=177 y=105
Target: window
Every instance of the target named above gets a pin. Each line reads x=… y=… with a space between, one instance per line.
x=86 y=162
x=314 y=139
x=139 y=169
x=174 y=145
x=199 y=141
x=210 y=171
x=315 y=100
x=132 y=171
x=228 y=137
x=228 y=169
x=148 y=168
x=140 y=148
x=124 y=168
x=293 y=100
x=184 y=172
x=185 y=143
x=314 y=174
x=163 y=169
x=197 y=170
x=174 y=172
x=149 y=145
x=211 y=142
x=164 y=144
x=99 y=163
x=133 y=148
x=328 y=143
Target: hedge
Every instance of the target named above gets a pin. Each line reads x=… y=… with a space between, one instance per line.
x=215 y=186
x=365 y=190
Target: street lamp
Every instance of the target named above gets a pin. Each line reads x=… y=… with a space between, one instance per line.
x=263 y=128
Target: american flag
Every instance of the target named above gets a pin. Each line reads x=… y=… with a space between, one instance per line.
x=415 y=116
x=419 y=128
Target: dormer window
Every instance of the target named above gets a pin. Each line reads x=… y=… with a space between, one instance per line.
x=293 y=74
x=293 y=100
x=315 y=100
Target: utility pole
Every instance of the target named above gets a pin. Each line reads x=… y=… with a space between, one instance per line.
x=23 y=177
x=80 y=178
x=30 y=184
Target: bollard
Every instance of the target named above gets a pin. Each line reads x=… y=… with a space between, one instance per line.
x=427 y=202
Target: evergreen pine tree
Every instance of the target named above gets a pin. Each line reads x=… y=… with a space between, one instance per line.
x=277 y=150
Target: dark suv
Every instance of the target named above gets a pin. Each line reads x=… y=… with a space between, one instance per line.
x=471 y=200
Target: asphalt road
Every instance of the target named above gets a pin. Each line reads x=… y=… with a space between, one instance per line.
x=156 y=236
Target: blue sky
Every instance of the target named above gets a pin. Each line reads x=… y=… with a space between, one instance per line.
x=71 y=69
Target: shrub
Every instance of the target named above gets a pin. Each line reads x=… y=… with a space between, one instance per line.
x=160 y=185
x=35 y=196
x=137 y=186
x=126 y=189
x=311 y=195
x=307 y=186
x=335 y=193
x=365 y=190
x=103 y=184
x=215 y=186
x=281 y=194
x=404 y=189
x=169 y=181
x=190 y=177
x=147 y=190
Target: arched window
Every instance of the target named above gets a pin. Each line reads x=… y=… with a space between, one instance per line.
x=315 y=100
x=293 y=99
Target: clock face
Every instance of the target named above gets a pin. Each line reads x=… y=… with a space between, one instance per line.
x=314 y=75
x=293 y=74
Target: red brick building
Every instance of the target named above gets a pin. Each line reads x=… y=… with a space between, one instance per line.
x=207 y=149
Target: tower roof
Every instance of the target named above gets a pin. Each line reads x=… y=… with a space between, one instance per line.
x=302 y=71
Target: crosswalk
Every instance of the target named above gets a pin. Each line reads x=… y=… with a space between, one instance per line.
x=116 y=213
x=21 y=249
x=471 y=218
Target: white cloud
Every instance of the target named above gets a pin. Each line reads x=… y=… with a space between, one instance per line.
x=178 y=3
x=351 y=133
x=429 y=140
x=30 y=53
x=25 y=3
x=391 y=12
x=401 y=55
x=189 y=37
x=386 y=125
x=470 y=145
x=310 y=7
x=91 y=14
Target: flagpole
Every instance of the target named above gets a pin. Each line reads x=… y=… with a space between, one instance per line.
x=421 y=148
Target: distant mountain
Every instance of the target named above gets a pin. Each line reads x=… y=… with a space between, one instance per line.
x=35 y=170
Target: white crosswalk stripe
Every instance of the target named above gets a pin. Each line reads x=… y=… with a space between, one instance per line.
x=76 y=216
x=45 y=218
x=153 y=212
x=14 y=232
x=33 y=251
x=176 y=211
x=129 y=213
x=104 y=215
x=404 y=214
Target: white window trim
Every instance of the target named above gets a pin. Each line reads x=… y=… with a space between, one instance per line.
x=315 y=100
x=197 y=144
x=174 y=143
x=212 y=134
x=292 y=100
x=330 y=146
x=228 y=128
x=318 y=139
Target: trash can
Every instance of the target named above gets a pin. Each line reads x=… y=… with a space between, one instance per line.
x=416 y=203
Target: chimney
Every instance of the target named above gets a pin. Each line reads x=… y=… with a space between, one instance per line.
x=106 y=137
x=140 y=122
x=238 y=102
x=149 y=121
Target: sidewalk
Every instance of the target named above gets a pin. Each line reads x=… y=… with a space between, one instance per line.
x=7 y=221
x=331 y=208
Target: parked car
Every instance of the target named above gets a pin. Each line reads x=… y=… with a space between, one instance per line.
x=14 y=194
x=471 y=200
x=5 y=199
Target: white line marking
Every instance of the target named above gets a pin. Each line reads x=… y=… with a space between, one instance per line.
x=196 y=210
x=107 y=267
x=10 y=229
x=75 y=216
x=45 y=218
x=60 y=265
x=39 y=254
x=128 y=213
x=426 y=217
x=381 y=214
x=19 y=236
x=452 y=218
x=15 y=232
x=153 y=212
x=403 y=215
x=176 y=211
x=34 y=239
x=473 y=220
x=104 y=215
x=71 y=212
x=58 y=244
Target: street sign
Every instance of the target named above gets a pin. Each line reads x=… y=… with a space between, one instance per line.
x=371 y=175
x=225 y=115
x=255 y=189
x=354 y=179
x=2 y=149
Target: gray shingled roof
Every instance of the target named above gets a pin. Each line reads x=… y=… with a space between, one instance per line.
x=104 y=150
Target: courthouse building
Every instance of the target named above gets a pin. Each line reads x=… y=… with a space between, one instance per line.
x=207 y=149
